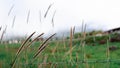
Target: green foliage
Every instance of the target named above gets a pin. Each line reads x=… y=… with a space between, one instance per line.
x=92 y=52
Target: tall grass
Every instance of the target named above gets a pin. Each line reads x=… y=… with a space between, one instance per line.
x=20 y=49
x=71 y=37
x=23 y=47
x=42 y=47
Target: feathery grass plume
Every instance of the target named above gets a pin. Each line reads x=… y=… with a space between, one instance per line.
x=28 y=16
x=29 y=44
x=47 y=10
x=53 y=19
x=20 y=49
x=42 y=47
x=13 y=21
x=40 y=15
x=3 y=34
x=10 y=9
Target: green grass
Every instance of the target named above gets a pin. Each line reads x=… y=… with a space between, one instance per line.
x=95 y=55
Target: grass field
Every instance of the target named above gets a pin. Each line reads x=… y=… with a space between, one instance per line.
x=58 y=54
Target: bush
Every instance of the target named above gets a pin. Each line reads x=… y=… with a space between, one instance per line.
x=97 y=39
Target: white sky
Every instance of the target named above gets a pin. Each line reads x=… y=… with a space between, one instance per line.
x=97 y=14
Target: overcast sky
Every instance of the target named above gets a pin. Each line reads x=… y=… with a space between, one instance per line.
x=97 y=14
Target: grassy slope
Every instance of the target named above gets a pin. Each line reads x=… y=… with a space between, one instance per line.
x=58 y=53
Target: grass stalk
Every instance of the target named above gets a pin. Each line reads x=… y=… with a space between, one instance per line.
x=55 y=49
x=68 y=52
x=13 y=21
x=3 y=34
x=40 y=15
x=10 y=9
x=63 y=40
x=28 y=16
x=0 y=28
x=53 y=19
x=71 y=37
x=47 y=10
x=30 y=43
x=20 y=50
x=42 y=47
x=108 y=54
